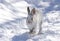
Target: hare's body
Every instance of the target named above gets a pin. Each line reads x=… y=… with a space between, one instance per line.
x=34 y=21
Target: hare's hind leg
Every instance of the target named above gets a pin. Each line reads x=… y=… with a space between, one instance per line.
x=40 y=28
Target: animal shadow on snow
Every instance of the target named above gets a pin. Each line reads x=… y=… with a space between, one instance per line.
x=25 y=36
x=22 y=37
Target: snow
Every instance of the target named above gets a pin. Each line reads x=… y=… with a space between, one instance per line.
x=44 y=4
x=13 y=20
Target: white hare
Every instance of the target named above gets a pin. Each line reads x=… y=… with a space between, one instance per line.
x=34 y=21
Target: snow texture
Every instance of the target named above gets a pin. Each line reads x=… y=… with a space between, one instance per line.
x=13 y=15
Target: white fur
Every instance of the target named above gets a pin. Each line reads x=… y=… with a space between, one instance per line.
x=36 y=23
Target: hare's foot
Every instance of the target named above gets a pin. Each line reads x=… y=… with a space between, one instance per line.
x=32 y=33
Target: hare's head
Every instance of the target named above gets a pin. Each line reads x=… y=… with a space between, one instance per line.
x=30 y=14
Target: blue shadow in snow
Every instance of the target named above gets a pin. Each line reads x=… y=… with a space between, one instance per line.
x=22 y=37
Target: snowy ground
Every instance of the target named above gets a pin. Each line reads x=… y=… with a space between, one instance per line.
x=13 y=15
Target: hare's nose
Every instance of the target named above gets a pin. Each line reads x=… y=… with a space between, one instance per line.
x=29 y=21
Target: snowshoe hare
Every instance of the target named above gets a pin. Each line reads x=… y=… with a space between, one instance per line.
x=34 y=21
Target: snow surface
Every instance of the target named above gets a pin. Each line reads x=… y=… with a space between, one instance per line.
x=13 y=15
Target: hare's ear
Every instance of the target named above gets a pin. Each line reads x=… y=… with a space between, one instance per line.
x=33 y=11
x=28 y=10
